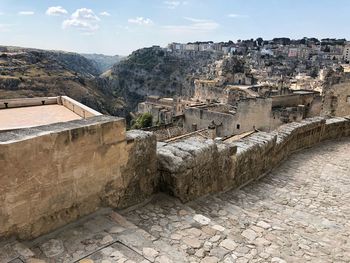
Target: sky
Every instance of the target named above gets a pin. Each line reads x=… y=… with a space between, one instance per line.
x=121 y=26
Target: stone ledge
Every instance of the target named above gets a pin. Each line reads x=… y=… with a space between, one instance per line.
x=28 y=133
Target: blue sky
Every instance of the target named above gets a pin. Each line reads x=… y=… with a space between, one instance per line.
x=119 y=27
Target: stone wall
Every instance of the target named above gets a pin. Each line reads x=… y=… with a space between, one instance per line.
x=196 y=167
x=336 y=101
x=54 y=174
x=251 y=113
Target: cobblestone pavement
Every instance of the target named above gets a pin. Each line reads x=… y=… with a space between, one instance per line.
x=300 y=212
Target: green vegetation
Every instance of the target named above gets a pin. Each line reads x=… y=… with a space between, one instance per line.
x=142 y=121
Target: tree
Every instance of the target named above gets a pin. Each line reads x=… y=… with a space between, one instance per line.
x=142 y=121
x=259 y=40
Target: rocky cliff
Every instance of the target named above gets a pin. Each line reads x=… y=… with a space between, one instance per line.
x=103 y=62
x=154 y=71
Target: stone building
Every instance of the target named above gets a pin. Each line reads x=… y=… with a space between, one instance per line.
x=163 y=110
x=346 y=52
x=336 y=98
x=248 y=115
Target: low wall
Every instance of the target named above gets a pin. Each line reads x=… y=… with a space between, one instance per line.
x=196 y=167
x=77 y=107
x=54 y=174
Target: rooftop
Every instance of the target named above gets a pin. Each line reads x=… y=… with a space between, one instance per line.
x=32 y=112
x=25 y=117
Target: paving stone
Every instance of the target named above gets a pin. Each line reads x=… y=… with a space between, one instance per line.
x=202 y=219
x=210 y=260
x=263 y=224
x=106 y=239
x=23 y=250
x=249 y=234
x=228 y=244
x=277 y=260
x=218 y=228
x=150 y=253
x=192 y=242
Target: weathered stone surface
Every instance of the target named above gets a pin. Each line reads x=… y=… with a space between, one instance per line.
x=52 y=248
x=190 y=169
x=150 y=253
x=305 y=200
x=202 y=219
x=210 y=260
x=228 y=244
x=249 y=234
x=192 y=242
x=298 y=210
x=63 y=171
x=263 y=224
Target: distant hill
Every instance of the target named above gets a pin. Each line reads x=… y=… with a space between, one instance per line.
x=28 y=72
x=103 y=62
x=154 y=71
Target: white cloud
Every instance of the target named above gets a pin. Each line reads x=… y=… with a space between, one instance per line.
x=56 y=11
x=83 y=19
x=141 y=21
x=104 y=13
x=26 y=13
x=174 y=4
x=237 y=16
x=196 y=26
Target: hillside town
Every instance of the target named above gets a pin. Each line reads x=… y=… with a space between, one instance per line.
x=255 y=85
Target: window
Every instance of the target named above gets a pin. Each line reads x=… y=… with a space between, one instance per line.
x=238 y=126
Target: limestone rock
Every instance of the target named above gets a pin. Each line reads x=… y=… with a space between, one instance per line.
x=192 y=242
x=277 y=260
x=210 y=260
x=202 y=219
x=149 y=253
x=107 y=239
x=228 y=244
x=52 y=248
x=249 y=234
x=218 y=228
x=263 y=224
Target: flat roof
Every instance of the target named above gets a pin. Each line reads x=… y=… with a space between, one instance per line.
x=25 y=117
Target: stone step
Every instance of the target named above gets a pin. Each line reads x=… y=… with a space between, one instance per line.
x=104 y=236
x=199 y=237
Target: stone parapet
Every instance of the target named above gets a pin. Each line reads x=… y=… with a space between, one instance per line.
x=195 y=167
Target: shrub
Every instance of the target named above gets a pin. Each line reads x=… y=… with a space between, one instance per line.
x=142 y=121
